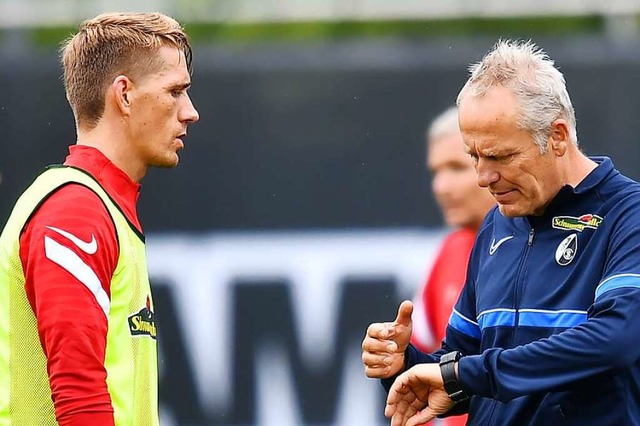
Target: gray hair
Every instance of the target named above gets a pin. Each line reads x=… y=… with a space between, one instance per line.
x=444 y=124
x=537 y=84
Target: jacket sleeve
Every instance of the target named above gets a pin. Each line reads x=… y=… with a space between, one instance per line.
x=463 y=332
x=69 y=252
x=606 y=341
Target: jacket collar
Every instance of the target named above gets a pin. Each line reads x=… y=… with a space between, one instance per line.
x=569 y=195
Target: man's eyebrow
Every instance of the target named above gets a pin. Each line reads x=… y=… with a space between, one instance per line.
x=495 y=151
x=489 y=152
x=500 y=152
x=181 y=86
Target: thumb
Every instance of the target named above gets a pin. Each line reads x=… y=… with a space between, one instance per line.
x=404 y=313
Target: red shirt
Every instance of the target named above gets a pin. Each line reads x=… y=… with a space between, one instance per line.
x=71 y=324
x=439 y=295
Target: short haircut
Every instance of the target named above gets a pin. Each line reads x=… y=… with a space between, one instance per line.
x=537 y=84
x=113 y=44
x=444 y=124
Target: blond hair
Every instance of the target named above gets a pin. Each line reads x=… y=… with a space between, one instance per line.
x=537 y=84
x=113 y=44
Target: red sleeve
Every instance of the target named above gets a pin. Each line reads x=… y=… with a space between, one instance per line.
x=439 y=295
x=440 y=292
x=446 y=280
x=69 y=252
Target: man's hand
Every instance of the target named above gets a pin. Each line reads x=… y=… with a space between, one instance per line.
x=417 y=396
x=384 y=345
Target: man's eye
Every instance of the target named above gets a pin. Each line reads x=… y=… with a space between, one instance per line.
x=459 y=168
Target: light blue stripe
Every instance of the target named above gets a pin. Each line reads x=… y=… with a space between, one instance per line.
x=552 y=319
x=463 y=325
x=618 y=281
x=497 y=319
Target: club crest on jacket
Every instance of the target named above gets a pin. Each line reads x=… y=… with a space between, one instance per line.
x=567 y=249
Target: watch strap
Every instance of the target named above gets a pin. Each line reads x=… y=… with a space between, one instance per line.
x=449 y=378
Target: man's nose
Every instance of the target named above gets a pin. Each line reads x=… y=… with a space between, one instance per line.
x=487 y=173
x=189 y=112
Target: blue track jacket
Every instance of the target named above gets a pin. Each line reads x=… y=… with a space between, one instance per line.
x=549 y=318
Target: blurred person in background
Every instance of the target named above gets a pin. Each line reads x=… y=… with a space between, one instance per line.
x=544 y=331
x=77 y=328
x=463 y=204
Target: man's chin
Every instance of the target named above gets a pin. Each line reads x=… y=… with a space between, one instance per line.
x=166 y=163
x=510 y=210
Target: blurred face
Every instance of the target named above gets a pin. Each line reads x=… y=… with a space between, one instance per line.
x=161 y=110
x=455 y=183
x=509 y=163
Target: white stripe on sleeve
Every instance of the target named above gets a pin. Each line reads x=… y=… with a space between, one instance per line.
x=72 y=263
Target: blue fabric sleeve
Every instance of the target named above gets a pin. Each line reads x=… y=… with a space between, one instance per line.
x=463 y=332
x=607 y=340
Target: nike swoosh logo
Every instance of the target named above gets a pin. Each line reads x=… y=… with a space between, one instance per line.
x=88 y=247
x=495 y=244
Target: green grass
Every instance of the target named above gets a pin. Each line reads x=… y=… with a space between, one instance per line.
x=321 y=31
x=401 y=29
x=50 y=36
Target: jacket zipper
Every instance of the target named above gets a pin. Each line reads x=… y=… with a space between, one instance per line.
x=519 y=283
x=532 y=233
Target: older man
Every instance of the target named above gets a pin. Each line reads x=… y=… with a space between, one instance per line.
x=464 y=205
x=544 y=332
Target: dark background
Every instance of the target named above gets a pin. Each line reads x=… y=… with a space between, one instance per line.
x=297 y=136
x=313 y=136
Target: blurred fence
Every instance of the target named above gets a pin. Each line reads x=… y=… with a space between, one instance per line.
x=29 y=13
x=312 y=136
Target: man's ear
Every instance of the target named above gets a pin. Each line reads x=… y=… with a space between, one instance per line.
x=122 y=88
x=559 y=137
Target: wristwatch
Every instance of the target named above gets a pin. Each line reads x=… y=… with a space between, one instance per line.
x=451 y=384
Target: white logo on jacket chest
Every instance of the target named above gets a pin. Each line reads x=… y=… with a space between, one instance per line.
x=495 y=244
x=567 y=249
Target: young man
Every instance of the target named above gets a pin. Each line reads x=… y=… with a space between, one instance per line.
x=544 y=331
x=77 y=328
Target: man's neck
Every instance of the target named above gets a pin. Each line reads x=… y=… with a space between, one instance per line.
x=579 y=168
x=115 y=147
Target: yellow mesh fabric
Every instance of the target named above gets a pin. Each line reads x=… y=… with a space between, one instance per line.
x=131 y=355
x=138 y=400
x=31 y=402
